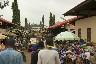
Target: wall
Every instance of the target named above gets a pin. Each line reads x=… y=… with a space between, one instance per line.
x=84 y=24
x=36 y=28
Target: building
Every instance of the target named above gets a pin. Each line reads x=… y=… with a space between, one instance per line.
x=35 y=27
x=5 y=25
x=85 y=27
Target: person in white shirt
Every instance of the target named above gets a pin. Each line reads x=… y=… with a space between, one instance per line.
x=48 y=55
x=87 y=54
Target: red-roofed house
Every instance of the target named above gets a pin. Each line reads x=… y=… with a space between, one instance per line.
x=85 y=28
x=5 y=25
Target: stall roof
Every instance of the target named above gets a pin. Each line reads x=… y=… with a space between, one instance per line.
x=86 y=8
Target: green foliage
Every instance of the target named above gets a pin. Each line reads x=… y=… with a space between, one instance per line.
x=40 y=25
x=16 y=13
x=26 y=23
x=43 y=21
x=52 y=19
x=6 y=3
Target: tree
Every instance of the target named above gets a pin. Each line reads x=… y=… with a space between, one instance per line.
x=52 y=19
x=26 y=23
x=2 y=5
x=40 y=25
x=43 y=21
x=29 y=26
x=16 y=13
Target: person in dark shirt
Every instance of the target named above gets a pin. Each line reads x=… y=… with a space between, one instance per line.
x=35 y=51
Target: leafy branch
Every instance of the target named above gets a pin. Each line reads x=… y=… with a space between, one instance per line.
x=2 y=5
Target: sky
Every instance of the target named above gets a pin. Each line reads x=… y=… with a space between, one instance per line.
x=33 y=10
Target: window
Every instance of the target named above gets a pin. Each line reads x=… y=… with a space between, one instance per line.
x=89 y=34
x=79 y=32
x=73 y=32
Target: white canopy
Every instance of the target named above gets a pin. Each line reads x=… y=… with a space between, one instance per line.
x=66 y=36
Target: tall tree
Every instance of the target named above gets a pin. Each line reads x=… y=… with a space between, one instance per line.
x=4 y=4
x=43 y=21
x=50 y=19
x=40 y=25
x=53 y=20
x=16 y=13
x=26 y=23
x=29 y=26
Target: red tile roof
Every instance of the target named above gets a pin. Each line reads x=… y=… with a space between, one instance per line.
x=6 y=21
x=60 y=24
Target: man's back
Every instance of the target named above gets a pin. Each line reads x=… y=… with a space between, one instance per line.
x=10 y=56
x=48 y=57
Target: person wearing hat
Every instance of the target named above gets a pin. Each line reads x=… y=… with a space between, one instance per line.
x=68 y=57
x=9 y=55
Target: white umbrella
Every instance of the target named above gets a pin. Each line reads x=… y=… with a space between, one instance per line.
x=66 y=36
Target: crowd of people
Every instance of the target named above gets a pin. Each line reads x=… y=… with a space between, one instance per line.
x=62 y=52
x=73 y=52
x=70 y=52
